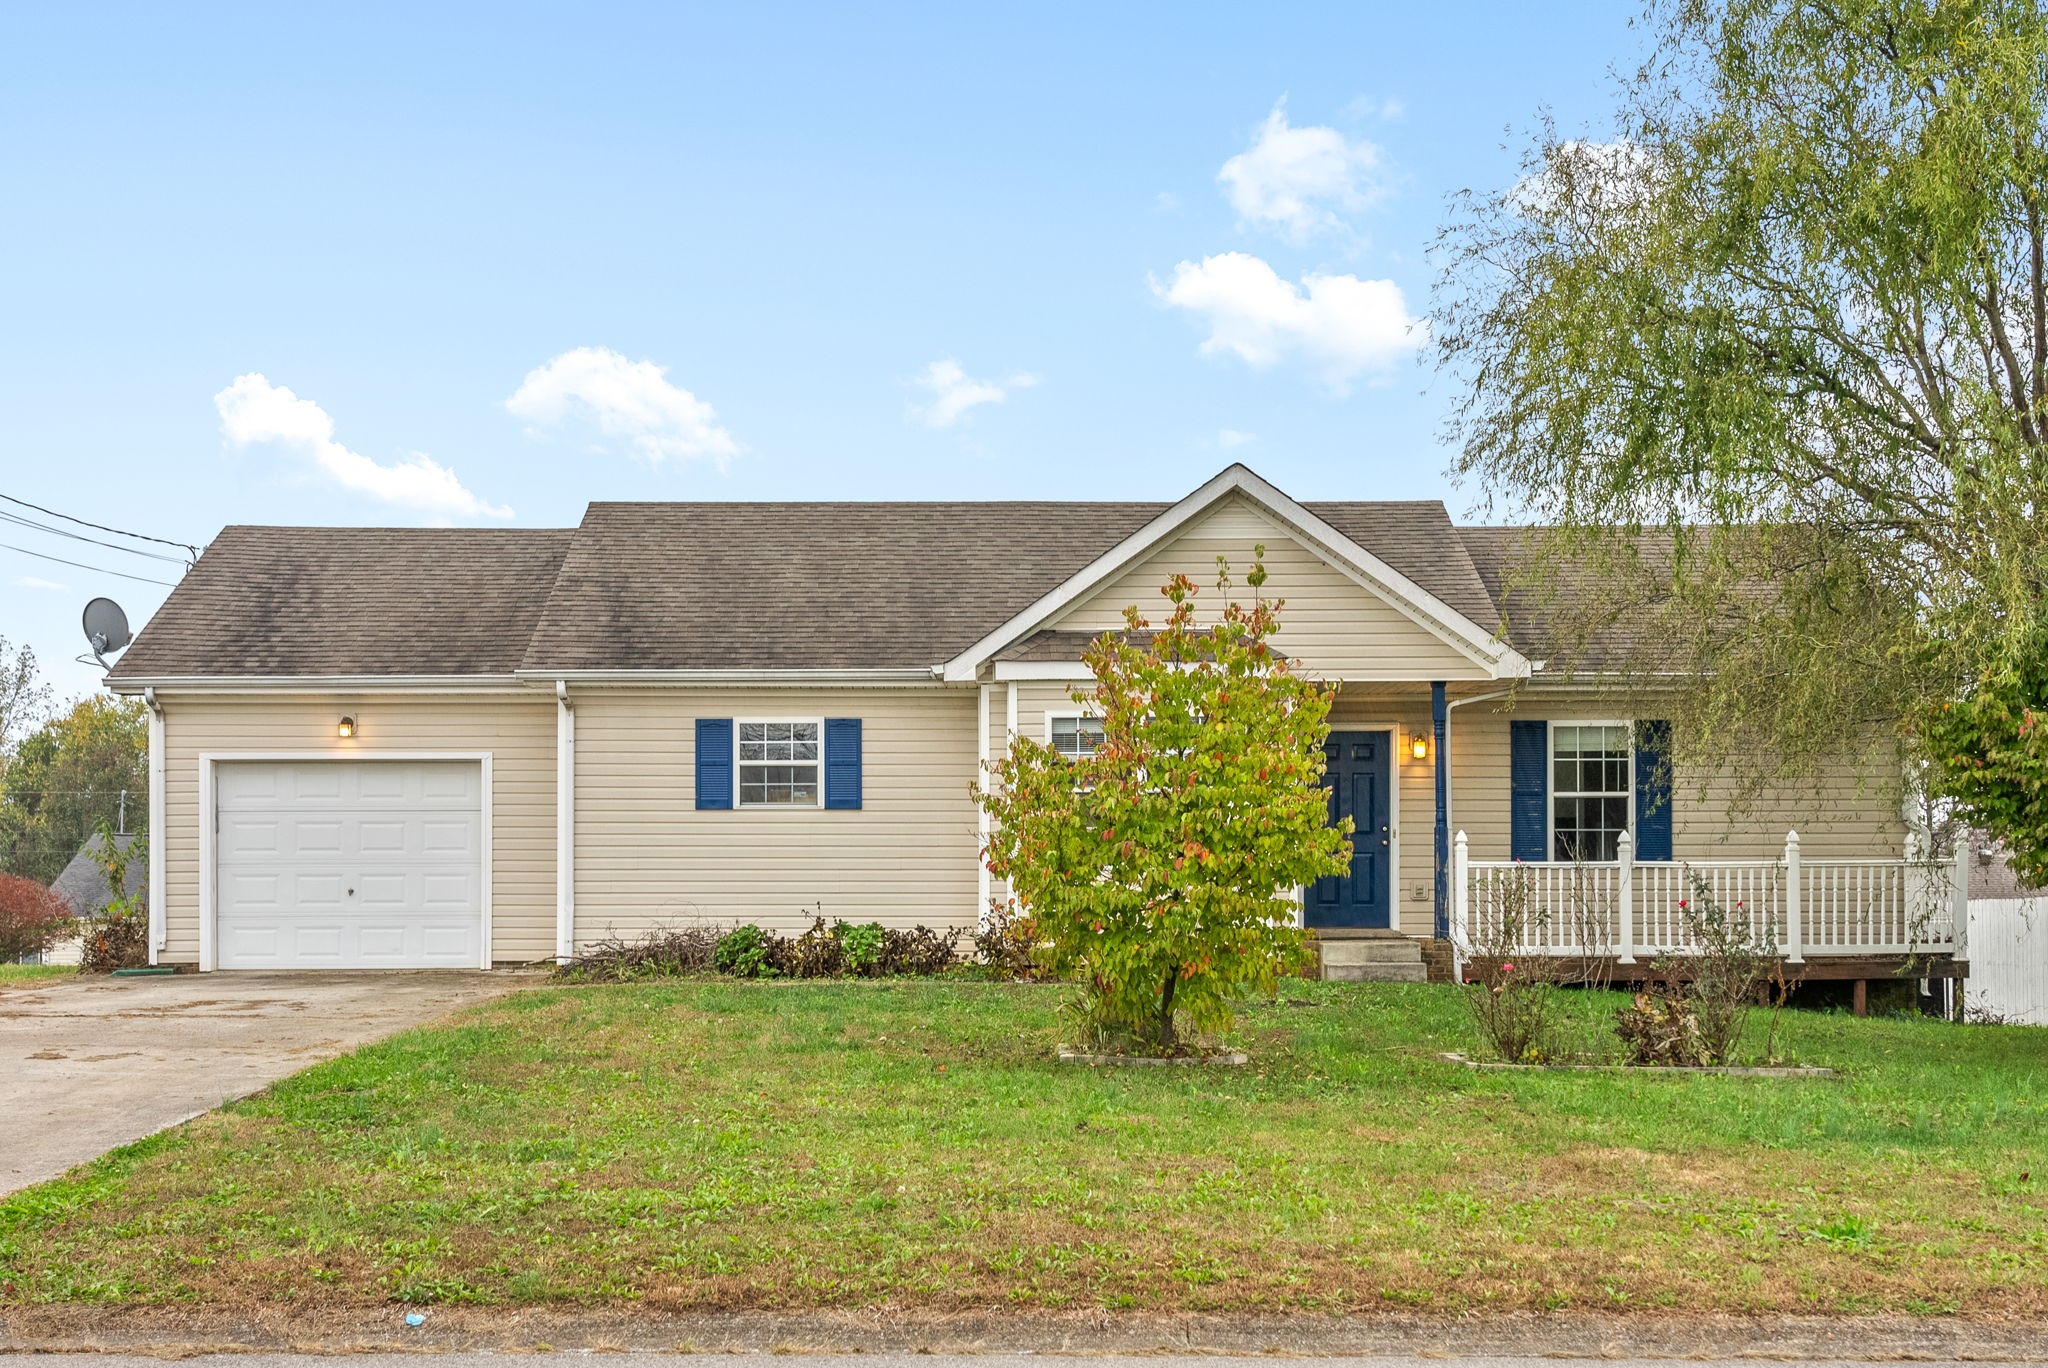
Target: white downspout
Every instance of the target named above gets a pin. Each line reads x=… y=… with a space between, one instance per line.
x=1450 y=772
x=159 y=926
x=985 y=885
x=565 y=823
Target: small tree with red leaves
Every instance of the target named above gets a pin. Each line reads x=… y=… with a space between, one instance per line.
x=1161 y=868
x=32 y=918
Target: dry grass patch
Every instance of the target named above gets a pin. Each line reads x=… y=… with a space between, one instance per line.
x=759 y=1145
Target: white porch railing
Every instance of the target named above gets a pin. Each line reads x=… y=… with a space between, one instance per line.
x=1631 y=910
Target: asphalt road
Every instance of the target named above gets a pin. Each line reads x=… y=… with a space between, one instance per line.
x=1003 y=1360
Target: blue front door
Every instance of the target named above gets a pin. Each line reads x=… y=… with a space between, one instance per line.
x=1355 y=771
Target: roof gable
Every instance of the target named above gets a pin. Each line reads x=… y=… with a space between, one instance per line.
x=1473 y=639
x=1335 y=625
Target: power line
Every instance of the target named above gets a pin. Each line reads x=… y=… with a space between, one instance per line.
x=17 y=519
x=102 y=527
x=5 y=546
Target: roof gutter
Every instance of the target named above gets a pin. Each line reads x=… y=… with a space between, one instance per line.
x=144 y=684
x=790 y=678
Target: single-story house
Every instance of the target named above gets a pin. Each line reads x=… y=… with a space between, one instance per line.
x=462 y=747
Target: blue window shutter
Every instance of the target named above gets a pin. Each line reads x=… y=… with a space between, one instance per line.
x=714 y=763
x=1529 y=786
x=1653 y=790
x=842 y=762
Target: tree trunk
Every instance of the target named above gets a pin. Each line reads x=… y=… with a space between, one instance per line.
x=1166 y=1036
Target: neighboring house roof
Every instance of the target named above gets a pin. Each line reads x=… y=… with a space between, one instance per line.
x=339 y=601
x=705 y=587
x=83 y=884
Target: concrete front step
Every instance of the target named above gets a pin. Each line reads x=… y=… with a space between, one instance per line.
x=1378 y=959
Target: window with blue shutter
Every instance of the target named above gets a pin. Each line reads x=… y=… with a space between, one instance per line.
x=1529 y=789
x=714 y=763
x=842 y=762
x=1653 y=790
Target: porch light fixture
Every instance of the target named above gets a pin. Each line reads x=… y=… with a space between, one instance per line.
x=1418 y=746
x=346 y=728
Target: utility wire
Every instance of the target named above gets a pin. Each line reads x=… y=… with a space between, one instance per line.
x=4 y=546
x=17 y=519
x=102 y=527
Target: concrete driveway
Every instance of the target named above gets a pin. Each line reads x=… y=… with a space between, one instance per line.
x=90 y=1063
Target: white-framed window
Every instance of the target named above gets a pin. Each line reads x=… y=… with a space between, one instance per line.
x=1073 y=734
x=1592 y=788
x=778 y=761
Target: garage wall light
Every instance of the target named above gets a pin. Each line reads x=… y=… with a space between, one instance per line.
x=346 y=728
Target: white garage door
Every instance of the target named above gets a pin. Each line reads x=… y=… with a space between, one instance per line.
x=349 y=864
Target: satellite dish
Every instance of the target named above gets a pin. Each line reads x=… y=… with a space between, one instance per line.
x=106 y=628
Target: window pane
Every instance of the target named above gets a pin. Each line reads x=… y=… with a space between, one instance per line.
x=779 y=785
x=1075 y=737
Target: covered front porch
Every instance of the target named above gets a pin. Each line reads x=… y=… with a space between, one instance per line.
x=1627 y=920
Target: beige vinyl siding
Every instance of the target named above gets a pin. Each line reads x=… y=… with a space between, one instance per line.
x=1849 y=810
x=1035 y=700
x=519 y=732
x=645 y=856
x=1335 y=626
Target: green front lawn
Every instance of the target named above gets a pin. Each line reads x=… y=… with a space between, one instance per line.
x=31 y=973
x=718 y=1144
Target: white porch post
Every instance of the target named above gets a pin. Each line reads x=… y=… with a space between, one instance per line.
x=984 y=883
x=565 y=823
x=1959 y=895
x=1795 y=930
x=1625 y=853
x=1461 y=859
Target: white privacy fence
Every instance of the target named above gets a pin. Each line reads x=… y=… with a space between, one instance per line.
x=1630 y=910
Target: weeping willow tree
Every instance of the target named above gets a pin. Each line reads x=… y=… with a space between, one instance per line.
x=1787 y=328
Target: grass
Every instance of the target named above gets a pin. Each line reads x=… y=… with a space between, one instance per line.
x=726 y=1144
x=31 y=973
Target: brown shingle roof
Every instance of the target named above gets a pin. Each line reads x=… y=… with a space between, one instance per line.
x=710 y=586
x=681 y=586
x=268 y=601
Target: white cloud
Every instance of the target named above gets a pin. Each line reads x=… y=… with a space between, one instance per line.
x=954 y=392
x=632 y=400
x=1337 y=325
x=1580 y=175
x=1301 y=180
x=37 y=582
x=1231 y=437
x=252 y=410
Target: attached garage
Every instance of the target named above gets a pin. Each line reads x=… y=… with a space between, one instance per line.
x=346 y=863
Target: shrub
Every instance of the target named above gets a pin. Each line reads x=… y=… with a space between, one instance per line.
x=1511 y=998
x=118 y=936
x=663 y=952
x=1697 y=1015
x=1008 y=942
x=919 y=950
x=32 y=918
x=817 y=953
x=745 y=952
x=860 y=946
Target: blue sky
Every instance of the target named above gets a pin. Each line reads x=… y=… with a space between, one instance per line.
x=434 y=263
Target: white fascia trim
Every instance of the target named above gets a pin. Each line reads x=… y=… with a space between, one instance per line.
x=1042 y=671
x=794 y=678
x=1409 y=598
x=319 y=684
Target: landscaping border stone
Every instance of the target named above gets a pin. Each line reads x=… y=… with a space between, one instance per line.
x=1070 y=1055
x=1733 y=1070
